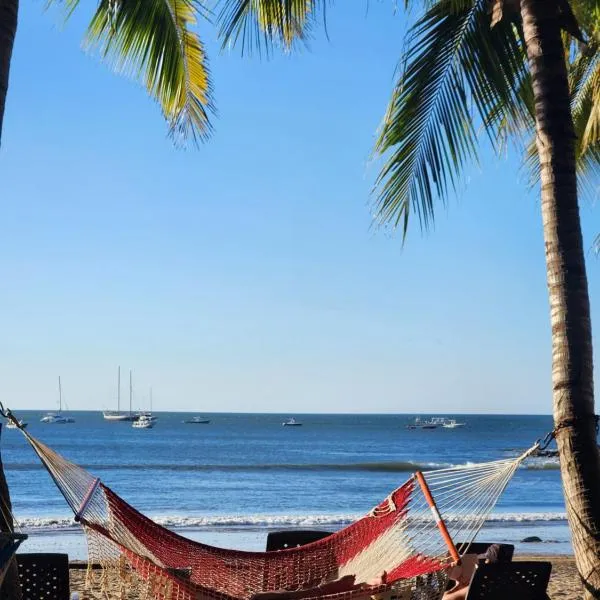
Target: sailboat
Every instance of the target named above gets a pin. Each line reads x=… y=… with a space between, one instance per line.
x=117 y=415
x=57 y=418
x=144 y=419
x=148 y=414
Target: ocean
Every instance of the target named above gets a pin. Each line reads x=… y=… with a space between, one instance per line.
x=229 y=482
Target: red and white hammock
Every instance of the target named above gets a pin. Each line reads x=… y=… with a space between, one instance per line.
x=402 y=548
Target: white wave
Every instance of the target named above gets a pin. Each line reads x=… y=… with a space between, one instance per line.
x=527 y=517
x=266 y=521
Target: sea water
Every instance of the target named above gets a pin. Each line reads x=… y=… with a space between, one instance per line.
x=231 y=481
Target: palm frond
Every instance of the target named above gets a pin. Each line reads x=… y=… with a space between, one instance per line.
x=453 y=62
x=153 y=41
x=257 y=24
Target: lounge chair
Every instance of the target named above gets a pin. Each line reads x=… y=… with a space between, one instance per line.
x=292 y=538
x=504 y=555
x=521 y=580
x=44 y=576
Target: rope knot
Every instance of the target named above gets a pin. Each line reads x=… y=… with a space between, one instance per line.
x=570 y=422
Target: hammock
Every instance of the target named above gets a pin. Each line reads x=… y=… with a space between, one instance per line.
x=401 y=549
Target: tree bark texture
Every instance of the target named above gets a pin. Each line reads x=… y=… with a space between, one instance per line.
x=10 y=590
x=8 y=29
x=572 y=360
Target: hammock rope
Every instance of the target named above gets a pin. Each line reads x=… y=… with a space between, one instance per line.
x=402 y=548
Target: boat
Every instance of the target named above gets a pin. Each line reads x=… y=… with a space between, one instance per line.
x=291 y=423
x=11 y=424
x=147 y=414
x=57 y=418
x=419 y=423
x=117 y=415
x=197 y=421
x=143 y=422
x=434 y=423
x=452 y=424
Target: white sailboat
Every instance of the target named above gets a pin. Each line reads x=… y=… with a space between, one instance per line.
x=57 y=418
x=141 y=420
x=117 y=415
x=147 y=413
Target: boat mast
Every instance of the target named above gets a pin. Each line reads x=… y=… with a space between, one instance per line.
x=59 y=396
x=119 y=389
x=130 y=392
x=150 y=400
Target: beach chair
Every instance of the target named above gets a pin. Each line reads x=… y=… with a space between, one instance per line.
x=292 y=538
x=504 y=555
x=521 y=580
x=44 y=576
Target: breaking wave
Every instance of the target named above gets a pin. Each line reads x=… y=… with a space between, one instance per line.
x=384 y=467
x=262 y=521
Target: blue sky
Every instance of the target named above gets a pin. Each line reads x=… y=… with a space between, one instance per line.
x=246 y=275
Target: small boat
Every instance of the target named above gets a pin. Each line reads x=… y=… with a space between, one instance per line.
x=418 y=423
x=11 y=424
x=197 y=421
x=113 y=415
x=143 y=422
x=117 y=415
x=147 y=414
x=57 y=418
x=292 y=423
x=452 y=424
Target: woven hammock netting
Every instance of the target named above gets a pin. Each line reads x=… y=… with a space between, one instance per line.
x=396 y=551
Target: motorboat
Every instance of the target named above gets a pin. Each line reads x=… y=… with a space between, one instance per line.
x=10 y=424
x=143 y=422
x=419 y=423
x=146 y=415
x=197 y=421
x=292 y=423
x=452 y=424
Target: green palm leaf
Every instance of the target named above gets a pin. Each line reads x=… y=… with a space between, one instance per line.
x=453 y=61
x=255 y=24
x=152 y=40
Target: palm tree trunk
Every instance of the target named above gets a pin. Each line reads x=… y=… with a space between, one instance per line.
x=572 y=361
x=10 y=590
x=8 y=28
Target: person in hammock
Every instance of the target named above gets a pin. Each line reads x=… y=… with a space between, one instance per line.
x=462 y=574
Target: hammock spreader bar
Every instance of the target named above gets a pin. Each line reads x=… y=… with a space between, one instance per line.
x=438 y=518
x=88 y=496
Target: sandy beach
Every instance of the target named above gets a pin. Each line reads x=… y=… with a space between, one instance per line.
x=563 y=582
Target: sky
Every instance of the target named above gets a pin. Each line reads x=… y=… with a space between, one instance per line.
x=247 y=275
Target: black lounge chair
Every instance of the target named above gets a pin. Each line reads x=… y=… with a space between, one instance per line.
x=292 y=538
x=44 y=576
x=521 y=580
x=504 y=555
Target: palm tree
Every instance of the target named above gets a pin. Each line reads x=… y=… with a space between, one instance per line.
x=466 y=67
x=148 y=39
